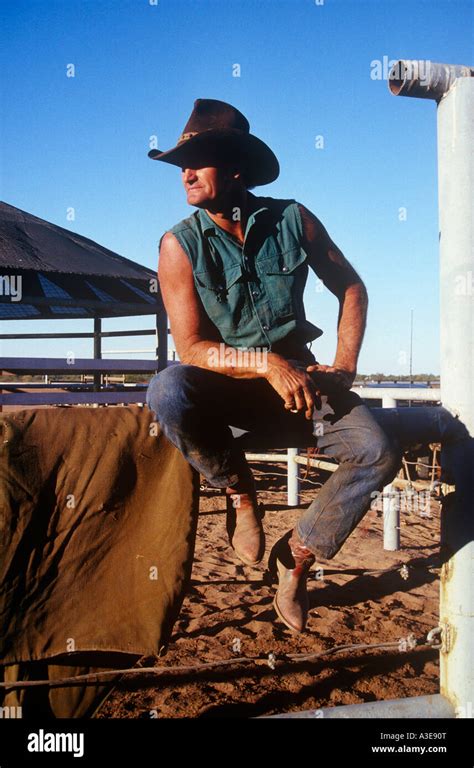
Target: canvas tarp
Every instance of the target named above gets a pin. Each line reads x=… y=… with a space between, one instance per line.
x=97 y=530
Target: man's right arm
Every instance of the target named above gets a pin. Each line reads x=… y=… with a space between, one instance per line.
x=197 y=338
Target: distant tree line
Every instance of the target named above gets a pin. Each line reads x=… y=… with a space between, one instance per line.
x=397 y=377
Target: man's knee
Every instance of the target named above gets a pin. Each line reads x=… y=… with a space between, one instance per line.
x=381 y=453
x=166 y=387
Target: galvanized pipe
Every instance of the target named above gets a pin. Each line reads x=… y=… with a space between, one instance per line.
x=293 y=488
x=456 y=206
x=433 y=707
x=425 y=79
x=429 y=394
x=453 y=88
x=391 y=507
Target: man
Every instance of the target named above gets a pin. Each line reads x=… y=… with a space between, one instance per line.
x=232 y=278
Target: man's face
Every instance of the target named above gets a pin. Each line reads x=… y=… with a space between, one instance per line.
x=206 y=187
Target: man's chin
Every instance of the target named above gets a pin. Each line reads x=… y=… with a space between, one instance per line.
x=197 y=201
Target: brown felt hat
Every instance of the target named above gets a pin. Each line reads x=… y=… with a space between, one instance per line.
x=218 y=133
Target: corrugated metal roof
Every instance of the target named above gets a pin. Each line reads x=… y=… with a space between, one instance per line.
x=27 y=242
x=56 y=273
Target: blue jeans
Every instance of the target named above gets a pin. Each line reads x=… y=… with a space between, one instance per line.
x=196 y=407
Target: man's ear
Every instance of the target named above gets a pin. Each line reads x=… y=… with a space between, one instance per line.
x=233 y=173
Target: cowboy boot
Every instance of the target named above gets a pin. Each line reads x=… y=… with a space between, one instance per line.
x=289 y=563
x=244 y=523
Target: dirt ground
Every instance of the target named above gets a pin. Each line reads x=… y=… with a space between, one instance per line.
x=364 y=595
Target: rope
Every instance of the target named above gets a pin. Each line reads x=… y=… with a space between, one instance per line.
x=271 y=660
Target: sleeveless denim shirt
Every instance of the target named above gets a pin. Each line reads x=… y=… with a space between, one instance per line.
x=252 y=292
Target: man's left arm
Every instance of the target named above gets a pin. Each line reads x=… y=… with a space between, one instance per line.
x=331 y=266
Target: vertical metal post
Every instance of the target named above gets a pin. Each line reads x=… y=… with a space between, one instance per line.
x=293 y=478
x=162 y=340
x=452 y=87
x=97 y=350
x=391 y=507
x=456 y=220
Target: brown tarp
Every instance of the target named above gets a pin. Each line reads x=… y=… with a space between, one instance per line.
x=98 y=518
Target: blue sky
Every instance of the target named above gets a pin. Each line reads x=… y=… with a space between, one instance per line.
x=305 y=71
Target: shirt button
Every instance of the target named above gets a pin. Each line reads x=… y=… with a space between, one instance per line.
x=254 y=293
x=285 y=269
x=266 y=328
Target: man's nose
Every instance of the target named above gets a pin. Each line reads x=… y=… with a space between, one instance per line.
x=189 y=175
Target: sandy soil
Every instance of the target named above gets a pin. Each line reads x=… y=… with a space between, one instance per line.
x=362 y=597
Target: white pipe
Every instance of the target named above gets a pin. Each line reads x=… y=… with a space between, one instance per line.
x=453 y=88
x=273 y=457
x=293 y=478
x=391 y=519
x=391 y=507
x=456 y=218
x=432 y=707
x=409 y=393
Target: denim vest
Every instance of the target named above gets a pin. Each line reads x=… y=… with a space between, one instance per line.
x=253 y=293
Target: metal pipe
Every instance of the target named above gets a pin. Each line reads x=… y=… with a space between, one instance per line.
x=293 y=489
x=273 y=457
x=161 y=351
x=429 y=394
x=391 y=519
x=435 y=707
x=391 y=507
x=456 y=206
x=453 y=88
x=425 y=79
x=97 y=350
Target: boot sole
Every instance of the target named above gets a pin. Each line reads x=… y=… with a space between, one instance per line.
x=285 y=621
x=244 y=560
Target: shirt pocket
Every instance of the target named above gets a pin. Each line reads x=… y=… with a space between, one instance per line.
x=224 y=296
x=284 y=275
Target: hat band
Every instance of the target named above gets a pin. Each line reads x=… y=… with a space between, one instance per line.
x=186 y=136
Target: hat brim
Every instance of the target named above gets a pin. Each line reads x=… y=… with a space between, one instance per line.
x=225 y=145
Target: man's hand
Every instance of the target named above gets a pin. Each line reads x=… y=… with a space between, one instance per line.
x=330 y=376
x=295 y=387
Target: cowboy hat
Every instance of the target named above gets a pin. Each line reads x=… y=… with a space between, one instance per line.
x=218 y=133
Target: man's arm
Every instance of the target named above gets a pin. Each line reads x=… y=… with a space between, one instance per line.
x=195 y=336
x=329 y=263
